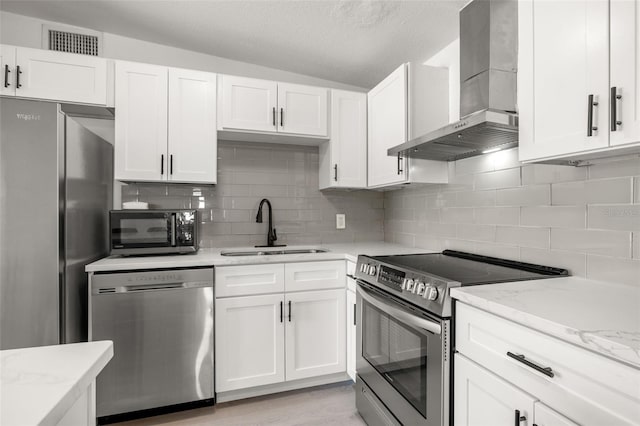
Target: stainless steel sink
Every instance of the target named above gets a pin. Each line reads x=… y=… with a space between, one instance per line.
x=272 y=252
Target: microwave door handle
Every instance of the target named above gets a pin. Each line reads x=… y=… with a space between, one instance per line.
x=173 y=230
x=401 y=315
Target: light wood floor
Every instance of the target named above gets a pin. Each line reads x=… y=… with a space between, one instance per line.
x=322 y=405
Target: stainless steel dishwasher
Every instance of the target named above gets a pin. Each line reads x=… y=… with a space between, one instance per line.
x=161 y=325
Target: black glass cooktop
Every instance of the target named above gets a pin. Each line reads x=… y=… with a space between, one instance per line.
x=471 y=269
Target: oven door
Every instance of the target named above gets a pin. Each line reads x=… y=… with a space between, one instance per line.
x=403 y=357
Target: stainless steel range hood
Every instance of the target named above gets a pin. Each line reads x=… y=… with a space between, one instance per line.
x=488 y=65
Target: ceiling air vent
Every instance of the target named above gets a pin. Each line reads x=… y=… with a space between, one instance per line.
x=64 y=41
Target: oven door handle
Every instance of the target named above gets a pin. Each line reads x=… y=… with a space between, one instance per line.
x=401 y=315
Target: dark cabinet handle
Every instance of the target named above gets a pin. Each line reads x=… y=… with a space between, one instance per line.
x=399 y=164
x=547 y=371
x=18 y=72
x=354 y=314
x=171 y=164
x=273 y=116
x=161 y=164
x=281 y=311
x=289 y=310
x=590 y=127
x=6 y=76
x=615 y=97
x=335 y=172
x=518 y=418
x=281 y=117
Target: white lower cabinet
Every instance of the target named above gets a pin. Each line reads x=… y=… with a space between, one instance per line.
x=249 y=342
x=483 y=399
x=315 y=333
x=351 y=334
x=502 y=366
x=283 y=336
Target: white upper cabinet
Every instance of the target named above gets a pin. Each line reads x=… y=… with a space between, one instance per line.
x=140 y=122
x=625 y=71
x=50 y=75
x=566 y=76
x=343 y=159
x=193 y=137
x=249 y=104
x=302 y=109
x=387 y=123
x=165 y=124
x=262 y=107
x=411 y=101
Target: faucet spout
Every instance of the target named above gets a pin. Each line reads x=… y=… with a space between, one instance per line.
x=271 y=233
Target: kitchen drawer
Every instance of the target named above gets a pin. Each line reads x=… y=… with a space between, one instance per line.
x=315 y=275
x=249 y=279
x=351 y=272
x=586 y=387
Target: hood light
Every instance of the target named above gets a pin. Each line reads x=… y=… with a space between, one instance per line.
x=490 y=150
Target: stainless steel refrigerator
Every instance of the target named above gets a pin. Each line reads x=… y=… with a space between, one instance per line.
x=56 y=181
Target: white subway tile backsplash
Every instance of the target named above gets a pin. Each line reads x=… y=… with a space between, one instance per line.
x=614 y=269
x=621 y=217
x=534 y=195
x=509 y=212
x=523 y=236
x=553 y=216
x=497 y=215
x=608 y=243
x=533 y=174
x=500 y=179
x=602 y=191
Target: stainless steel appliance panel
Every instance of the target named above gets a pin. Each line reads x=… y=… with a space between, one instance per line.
x=161 y=323
x=29 y=219
x=370 y=408
x=87 y=192
x=403 y=356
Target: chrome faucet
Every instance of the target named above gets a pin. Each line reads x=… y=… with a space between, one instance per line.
x=271 y=233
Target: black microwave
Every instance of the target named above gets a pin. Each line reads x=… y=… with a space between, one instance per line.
x=149 y=232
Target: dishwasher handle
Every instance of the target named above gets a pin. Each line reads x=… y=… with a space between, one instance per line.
x=141 y=288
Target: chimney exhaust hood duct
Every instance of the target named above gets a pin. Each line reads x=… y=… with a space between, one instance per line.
x=488 y=65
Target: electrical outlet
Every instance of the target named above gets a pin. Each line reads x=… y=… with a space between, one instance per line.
x=340 y=221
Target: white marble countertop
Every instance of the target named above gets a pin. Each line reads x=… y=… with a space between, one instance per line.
x=603 y=317
x=213 y=257
x=38 y=385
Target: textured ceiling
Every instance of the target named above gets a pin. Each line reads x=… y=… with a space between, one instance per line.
x=355 y=42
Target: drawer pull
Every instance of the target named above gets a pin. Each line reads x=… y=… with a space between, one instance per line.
x=519 y=418
x=547 y=371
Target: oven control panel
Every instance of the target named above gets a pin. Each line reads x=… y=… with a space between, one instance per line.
x=431 y=292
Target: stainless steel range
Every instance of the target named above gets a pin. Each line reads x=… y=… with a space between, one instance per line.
x=403 y=330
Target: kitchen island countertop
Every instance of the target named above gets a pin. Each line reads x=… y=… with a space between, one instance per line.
x=600 y=316
x=213 y=256
x=39 y=385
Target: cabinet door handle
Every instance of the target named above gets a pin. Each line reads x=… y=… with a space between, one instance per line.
x=399 y=164
x=161 y=164
x=590 y=127
x=335 y=172
x=18 y=72
x=518 y=418
x=289 y=310
x=171 y=164
x=6 y=76
x=281 y=117
x=615 y=97
x=354 y=314
x=547 y=371
x=281 y=311
x=273 y=116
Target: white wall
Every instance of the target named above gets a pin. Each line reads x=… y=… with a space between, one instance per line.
x=449 y=57
x=25 y=31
